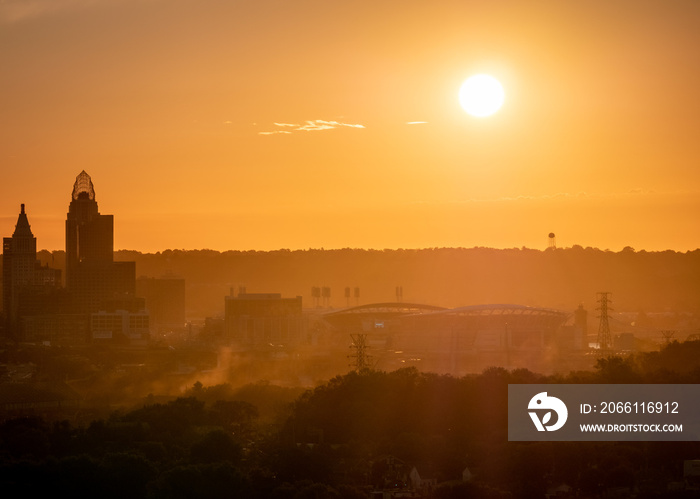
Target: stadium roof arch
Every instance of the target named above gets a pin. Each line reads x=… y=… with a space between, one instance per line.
x=499 y=313
x=399 y=308
x=480 y=316
x=504 y=309
x=378 y=311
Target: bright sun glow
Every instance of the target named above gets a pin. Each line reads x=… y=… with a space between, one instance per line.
x=481 y=95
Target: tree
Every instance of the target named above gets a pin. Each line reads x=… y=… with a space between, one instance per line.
x=216 y=446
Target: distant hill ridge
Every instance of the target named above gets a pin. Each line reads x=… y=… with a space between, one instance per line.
x=556 y=278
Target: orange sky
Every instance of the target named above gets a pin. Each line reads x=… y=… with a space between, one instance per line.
x=169 y=105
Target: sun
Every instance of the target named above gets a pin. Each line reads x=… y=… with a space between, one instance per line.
x=481 y=95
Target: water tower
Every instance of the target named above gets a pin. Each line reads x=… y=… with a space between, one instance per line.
x=552 y=241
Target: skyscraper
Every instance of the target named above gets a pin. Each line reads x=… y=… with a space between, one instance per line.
x=92 y=275
x=89 y=235
x=18 y=263
x=24 y=279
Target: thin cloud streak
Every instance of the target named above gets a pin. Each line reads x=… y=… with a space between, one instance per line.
x=311 y=126
x=337 y=123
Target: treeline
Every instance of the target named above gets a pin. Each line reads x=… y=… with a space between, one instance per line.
x=451 y=277
x=204 y=445
x=357 y=433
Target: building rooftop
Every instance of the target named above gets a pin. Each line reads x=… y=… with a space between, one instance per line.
x=83 y=186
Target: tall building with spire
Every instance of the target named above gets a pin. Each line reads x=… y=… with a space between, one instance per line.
x=23 y=277
x=89 y=235
x=92 y=276
x=18 y=263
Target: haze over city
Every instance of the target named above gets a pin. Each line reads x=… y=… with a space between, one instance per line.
x=280 y=249
x=266 y=125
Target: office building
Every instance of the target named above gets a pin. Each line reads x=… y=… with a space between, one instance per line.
x=92 y=275
x=263 y=319
x=165 y=301
x=120 y=326
x=25 y=280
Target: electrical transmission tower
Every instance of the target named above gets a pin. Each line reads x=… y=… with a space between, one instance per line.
x=604 y=336
x=667 y=336
x=360 y=355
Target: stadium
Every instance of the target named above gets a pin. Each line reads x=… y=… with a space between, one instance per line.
x=461 y=339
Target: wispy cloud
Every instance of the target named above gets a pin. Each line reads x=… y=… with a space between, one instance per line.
x=334 y=124
x=416 y=122
x=310 y=126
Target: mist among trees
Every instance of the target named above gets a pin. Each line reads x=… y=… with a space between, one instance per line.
x=356 y=433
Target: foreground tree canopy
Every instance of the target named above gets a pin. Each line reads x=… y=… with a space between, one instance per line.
x=356 y=433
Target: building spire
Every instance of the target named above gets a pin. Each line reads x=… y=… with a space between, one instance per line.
x=22 y=229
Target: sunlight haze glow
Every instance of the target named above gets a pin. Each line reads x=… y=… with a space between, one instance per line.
x=264 y=125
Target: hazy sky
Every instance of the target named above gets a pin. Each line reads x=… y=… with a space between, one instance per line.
x=293 y=124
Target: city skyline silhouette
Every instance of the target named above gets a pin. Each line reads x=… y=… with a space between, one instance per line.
x=290 y=249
